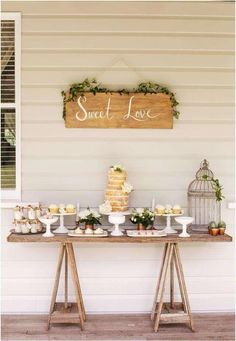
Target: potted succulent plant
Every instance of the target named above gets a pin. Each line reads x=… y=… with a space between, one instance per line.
x=213 y=228
x=90 y=217
x=143 y=217
x=222 y=227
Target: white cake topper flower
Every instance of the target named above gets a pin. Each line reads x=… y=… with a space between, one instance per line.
x=127 y=187
x=105 y=208
x=117 y=168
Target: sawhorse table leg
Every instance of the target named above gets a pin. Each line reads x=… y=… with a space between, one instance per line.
x=67 y=312
x=167 y=312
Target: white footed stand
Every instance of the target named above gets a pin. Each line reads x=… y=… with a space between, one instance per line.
x=62 y=228
x=184 y=221
x=48 y=222
x=117 y=218
x=168 y=229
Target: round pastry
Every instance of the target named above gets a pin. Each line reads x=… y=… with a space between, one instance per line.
x=177 y=209
x=79 y=231
x=70 y=208
x=53 y=208
x=160 y=209
x=62 y=208
x=168 y=209
x=99 y=230
x=88 y=231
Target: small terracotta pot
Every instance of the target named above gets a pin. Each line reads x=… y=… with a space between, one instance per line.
x=141 y=227
x=221 y=230
x=214 y=232
x=89 y=226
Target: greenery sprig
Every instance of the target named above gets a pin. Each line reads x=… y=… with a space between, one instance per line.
x=91 y=85
x=217 y=187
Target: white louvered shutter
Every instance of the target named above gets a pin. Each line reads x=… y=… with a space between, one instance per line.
x=9 y=102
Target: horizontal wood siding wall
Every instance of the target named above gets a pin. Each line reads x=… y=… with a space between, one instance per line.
x=187 y=47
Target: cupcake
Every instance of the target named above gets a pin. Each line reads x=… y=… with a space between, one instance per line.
x=160 y=209
x=53 y=208
x=177 y=209
x=70 y=208
x=79 y=231
x=99 y=230
x=88 y=231
x=62 y=208
x=168 y=209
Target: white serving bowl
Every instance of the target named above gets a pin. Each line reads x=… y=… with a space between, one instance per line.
x=48 y=222
x=184 y=221
x=116 y=219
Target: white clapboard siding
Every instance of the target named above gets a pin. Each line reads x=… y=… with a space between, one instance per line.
x=189 y=49
x=104 y=60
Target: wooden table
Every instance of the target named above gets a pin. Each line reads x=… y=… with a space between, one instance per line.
x=162 y=312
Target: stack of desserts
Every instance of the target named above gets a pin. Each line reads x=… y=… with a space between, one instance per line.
x=117 y=192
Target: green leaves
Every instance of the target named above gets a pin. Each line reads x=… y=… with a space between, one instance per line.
x=217 y=187
x=91 y=85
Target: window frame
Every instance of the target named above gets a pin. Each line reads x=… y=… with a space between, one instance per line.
x=10 y=194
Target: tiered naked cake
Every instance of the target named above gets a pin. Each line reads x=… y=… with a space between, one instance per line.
x=118 y=189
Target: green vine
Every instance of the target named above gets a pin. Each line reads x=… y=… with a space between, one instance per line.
x=217 y=187
x=91 y=85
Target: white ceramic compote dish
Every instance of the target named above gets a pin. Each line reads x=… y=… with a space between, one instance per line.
x=48 y=220
x=184 y=221
x=116 y=218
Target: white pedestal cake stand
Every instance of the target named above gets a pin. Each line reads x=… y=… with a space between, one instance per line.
x=48 y=222
x=168 y=229
x=184 y=221
x=62 y=228
x=117 y=218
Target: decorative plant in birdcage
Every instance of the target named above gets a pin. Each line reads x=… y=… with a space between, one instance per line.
x=204 y=198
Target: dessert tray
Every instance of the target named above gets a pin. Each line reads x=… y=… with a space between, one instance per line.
x=168 y=229
x=83 y=235
x=149 y=233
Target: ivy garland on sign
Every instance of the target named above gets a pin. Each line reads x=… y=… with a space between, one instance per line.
x=91 y=85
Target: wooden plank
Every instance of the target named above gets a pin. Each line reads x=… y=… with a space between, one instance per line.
x=73 y=268
x=167 y=261
x=195 y=237
x=56 y=284
x=112 y=110
x=174 y=318
x=158 y=283
x=118 y=327
x=65 y=315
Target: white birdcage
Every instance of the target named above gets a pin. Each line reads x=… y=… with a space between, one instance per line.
x=202 y=201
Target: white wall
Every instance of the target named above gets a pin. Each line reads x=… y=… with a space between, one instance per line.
x=189 y=48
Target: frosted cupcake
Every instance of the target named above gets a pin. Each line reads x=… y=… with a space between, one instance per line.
x=88 y=231
x=53 y=208
x=177 y=209
x=70 y=208
x=99 y=230
x=160 y=209
x=79 y=230
x=168 y=209
x=62 y=208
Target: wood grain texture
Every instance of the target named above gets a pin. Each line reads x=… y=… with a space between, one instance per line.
x=196 y=237
x=112 y=110
x=118 y=327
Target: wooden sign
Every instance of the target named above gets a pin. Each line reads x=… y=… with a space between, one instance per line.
x=112 y=110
